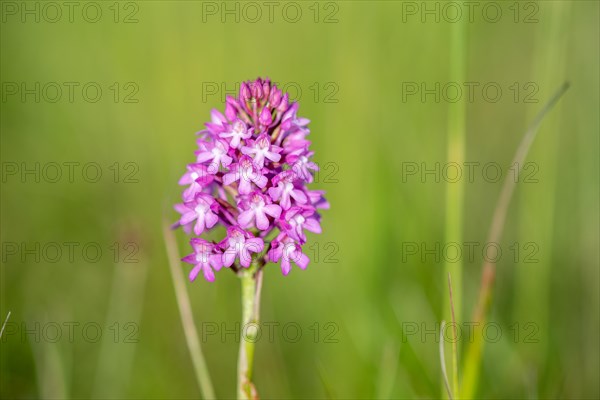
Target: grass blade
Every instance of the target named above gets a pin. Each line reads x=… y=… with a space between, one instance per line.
x=454 y=342
x=443 y=361
x=185 y=311
x=4 y=324
x=473 y=357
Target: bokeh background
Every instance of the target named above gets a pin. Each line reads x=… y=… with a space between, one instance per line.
x=368 y=306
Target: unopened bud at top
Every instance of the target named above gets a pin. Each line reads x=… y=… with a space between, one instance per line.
x=284 y=103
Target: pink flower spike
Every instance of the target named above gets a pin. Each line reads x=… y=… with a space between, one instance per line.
x=250 y=177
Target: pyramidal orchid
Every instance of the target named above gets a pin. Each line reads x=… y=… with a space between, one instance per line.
x=250 y=174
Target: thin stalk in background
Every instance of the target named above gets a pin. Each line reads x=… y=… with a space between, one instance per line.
x=455 y=190
x=185 y=311
x=52 y=378
x=455 y=339
x=4 y=324
x=549 y=63
x=451 y=393
x=115 y=362
x=443 y=361
x=473 y=357
x=251 y=287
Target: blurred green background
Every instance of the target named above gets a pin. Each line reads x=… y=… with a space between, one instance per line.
x=162 y=66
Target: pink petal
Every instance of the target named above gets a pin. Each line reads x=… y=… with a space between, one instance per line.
x=285 y=266
x=275 y=193
x=247 y=150
x=255 y=245
x=262 y=222
x=301 y=260
x=211 y=219
x=299 y=196
x=273 y=210
x=204 y=156
x=188 y=217
x=216 y=117
x=212 y=168
x=312 y=225
x=245 y=186
x=285 y=202
x=186 y=179
x=199 y=227
x=180 y=208
x=190 y=258
x=273 y=156
x=216 y=262
x=230 y=111
x=228 y=179
x=208 y=273
x=261 y=181
x=226 y=160
x=245 y=218
x=275 y=254
x=194 y=272
x=229 y=257
x=259 y=160
x=235 y=142
x=245 y=257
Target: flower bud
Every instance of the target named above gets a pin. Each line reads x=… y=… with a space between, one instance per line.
x=245 y=93
x=265 y=117
x=275 y=97
x=284 y=103
x=230 y=111
x=257 y=90
x=266 y=88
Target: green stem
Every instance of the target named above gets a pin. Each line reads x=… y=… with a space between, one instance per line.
x=251 y=282
x=455 y=190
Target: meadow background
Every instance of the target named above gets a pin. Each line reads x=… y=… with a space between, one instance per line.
x=162 y=66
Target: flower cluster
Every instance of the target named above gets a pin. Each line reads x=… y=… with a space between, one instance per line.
x=250 y=176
